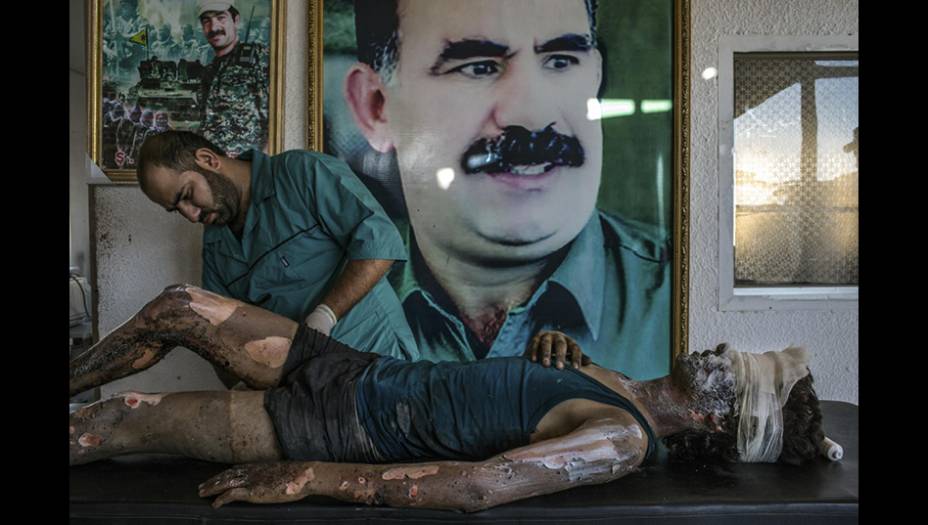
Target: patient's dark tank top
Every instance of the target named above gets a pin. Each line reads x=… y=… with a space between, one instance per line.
x=467 y=411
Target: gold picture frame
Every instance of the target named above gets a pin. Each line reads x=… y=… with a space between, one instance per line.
x=270 y=28
x=679 y=178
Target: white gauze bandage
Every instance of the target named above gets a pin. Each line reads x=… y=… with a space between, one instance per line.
x=763 y=383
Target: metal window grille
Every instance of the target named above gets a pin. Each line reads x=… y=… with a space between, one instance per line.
x=795 y=159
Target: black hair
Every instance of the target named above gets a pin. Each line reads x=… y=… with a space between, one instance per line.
x=377 y=31
x=802 y=422
x=172 y=149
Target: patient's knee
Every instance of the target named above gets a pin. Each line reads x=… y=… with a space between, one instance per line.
x=170 y=305
x=211 y=306
x=183 y=302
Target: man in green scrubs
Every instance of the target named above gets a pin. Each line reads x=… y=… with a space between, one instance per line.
x=295 y=233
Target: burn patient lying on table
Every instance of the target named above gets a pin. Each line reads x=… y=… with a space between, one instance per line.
x=330 y=420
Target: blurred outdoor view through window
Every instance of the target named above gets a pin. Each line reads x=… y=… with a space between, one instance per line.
x=796 y=176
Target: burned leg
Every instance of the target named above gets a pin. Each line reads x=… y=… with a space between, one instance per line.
x=226 y=427
x=248 y=341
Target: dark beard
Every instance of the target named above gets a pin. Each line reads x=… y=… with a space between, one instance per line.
x=226 y=198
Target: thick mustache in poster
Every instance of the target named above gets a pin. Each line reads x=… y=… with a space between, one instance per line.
x=517 y=146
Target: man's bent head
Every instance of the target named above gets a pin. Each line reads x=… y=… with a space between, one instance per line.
x=181 y=171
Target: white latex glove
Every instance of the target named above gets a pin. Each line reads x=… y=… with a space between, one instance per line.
x=321 y=319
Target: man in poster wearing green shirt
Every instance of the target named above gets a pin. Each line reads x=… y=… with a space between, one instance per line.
x=486 y=105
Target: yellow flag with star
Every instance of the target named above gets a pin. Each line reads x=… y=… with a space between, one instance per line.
x=140 y=38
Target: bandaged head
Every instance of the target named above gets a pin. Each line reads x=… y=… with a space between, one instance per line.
x=762 y=386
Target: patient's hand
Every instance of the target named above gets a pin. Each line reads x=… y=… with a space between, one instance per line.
x=278 y=482
x=551 y=343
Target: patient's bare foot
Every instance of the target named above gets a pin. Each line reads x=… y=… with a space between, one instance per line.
x=95 y=431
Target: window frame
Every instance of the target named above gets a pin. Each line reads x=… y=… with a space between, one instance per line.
x=764 y=298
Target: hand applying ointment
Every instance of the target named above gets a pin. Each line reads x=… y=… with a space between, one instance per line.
x=321 y=319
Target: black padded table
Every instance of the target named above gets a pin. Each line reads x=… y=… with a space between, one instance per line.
x=148 y=489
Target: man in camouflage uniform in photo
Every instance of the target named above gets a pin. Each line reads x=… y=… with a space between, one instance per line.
x=162 y=122
x=111 y=123
x=145 y=129
x=234 y=90
x=126 y=130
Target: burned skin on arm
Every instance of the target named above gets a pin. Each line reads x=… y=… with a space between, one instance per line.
x=598 y=451
x=250 y=342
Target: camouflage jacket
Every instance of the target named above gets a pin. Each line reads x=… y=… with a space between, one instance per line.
x=234 y=99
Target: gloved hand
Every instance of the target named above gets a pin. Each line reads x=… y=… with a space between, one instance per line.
x=321 y=319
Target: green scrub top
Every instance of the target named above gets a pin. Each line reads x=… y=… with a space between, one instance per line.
x=309 y=214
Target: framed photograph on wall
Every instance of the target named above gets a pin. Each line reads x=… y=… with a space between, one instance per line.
x=207 y=66
x=533 y=153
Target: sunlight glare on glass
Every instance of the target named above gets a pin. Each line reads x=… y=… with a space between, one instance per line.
x=606 y=108
x=656 y=106
x=445 y=177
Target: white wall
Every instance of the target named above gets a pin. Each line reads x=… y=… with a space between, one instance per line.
x=141 y=250
x=77 y=145
x=129 y=276
x=830 y=336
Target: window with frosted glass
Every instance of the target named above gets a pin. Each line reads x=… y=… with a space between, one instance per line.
x=795 y=161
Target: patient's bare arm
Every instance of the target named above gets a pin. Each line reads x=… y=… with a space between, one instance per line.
x=597 y=451
x=250 y=342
